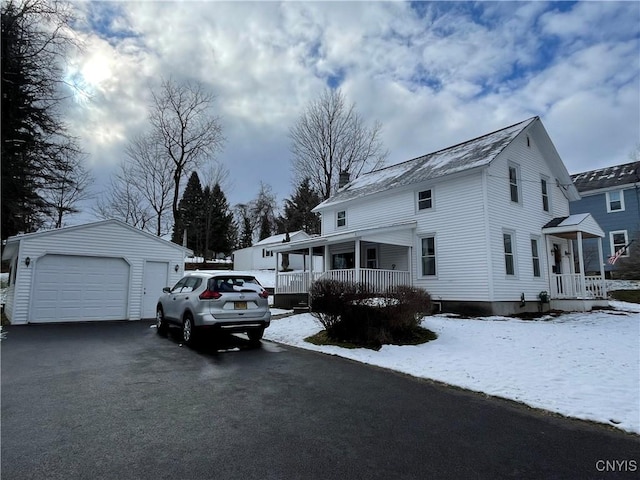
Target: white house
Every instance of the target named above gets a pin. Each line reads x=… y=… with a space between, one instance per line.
x=105 y=270
x=261 y=255
x=483 y=226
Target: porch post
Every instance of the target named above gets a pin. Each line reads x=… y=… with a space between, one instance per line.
x=583 y=286
x=327 y=259
x=357 y=260
x=277 y=255
x=310 y=267
x=601 y=262
x=550 y=273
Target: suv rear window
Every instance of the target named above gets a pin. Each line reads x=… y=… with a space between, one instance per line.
x=234 y=284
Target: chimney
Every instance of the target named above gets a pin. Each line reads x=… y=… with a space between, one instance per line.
x=343 y=179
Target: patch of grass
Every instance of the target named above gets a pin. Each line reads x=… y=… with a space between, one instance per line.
x=417 y=336
x=632 y=296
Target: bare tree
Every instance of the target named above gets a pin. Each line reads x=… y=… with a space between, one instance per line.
x=66 y=189
x=331 y=137
x=124 y=201
x=181 y=118
x=152 y=175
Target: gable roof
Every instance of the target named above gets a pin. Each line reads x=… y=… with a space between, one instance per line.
x=608 y=177
x=568 y=226
x=12 y=242
x=477 y=152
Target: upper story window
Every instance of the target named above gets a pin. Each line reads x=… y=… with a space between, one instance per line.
x=514 y=183
x=615 y=201
x=425 y=199
x=544 y=187
x=618 y=241
x=341 y=219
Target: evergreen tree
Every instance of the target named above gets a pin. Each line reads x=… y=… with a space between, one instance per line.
x=220 y=227
x=297 y=210
x=35 y=144
x=246 y=230
x=191 y=216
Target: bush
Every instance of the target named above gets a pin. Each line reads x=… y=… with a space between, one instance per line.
x=349 y=314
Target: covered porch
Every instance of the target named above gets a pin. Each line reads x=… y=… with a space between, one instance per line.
x=570 y=288
x=378 y=258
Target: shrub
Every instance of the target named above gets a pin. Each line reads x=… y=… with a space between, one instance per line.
x=349 y=314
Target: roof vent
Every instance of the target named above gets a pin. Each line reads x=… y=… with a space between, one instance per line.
x=343 y=179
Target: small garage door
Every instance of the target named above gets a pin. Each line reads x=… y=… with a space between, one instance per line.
x=75 y=288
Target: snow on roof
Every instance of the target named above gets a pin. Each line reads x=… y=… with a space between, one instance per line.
x=616 y=175
x=464 y=156
x=279 y=238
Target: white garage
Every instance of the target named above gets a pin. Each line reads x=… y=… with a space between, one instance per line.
x=99 y=271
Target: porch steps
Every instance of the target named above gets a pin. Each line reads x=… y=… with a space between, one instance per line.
x=302 y=307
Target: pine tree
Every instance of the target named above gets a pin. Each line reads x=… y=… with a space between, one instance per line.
x=297 y=210
x=191 y=216
x=220 y=227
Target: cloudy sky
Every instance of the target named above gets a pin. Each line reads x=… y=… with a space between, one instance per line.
x=433 y=73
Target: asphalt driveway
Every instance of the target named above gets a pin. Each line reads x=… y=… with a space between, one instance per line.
x=114 y=400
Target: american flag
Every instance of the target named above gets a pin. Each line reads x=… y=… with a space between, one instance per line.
x=614 y=258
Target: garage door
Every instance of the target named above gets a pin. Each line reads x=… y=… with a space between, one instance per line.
x=76 y=288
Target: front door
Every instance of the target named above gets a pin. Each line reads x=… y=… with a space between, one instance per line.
x=155 y=279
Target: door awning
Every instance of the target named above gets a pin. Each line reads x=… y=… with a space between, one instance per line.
x=568 y=227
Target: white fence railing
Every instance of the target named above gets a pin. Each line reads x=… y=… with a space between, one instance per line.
x=570 y=285
x=377 y=280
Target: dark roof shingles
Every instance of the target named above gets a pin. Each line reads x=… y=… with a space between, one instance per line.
x=607 y=177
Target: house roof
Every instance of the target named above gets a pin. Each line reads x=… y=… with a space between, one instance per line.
x=279 y=238
x=567 y=227
x=477 y=152
x=12 y=242
x=614 y=176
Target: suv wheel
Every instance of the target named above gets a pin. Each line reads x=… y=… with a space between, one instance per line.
x=188 y=330
x=161 y=323
x=255 y=335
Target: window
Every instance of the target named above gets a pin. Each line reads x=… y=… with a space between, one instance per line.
x=535 y=256
x=618 y=240
x=372 y=257
x=428 y=256
x=267 y=253
x=514 y=183
x=425 y=200
x=343 y=260
x=509 y=254
x=545 y=194
x=615 y=201
x=341 y=219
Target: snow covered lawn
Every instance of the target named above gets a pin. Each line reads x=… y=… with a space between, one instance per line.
x=583 y=365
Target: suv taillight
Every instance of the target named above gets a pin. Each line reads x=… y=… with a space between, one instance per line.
x=210 y=295
x=264 y=294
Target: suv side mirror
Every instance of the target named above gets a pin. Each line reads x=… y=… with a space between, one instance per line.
x=166 y=289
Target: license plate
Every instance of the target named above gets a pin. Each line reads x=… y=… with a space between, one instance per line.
x=240 y=305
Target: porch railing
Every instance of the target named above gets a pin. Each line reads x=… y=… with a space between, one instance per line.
x=377 y=280
x=570 y=286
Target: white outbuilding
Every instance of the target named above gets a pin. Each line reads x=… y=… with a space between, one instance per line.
x=105 y=270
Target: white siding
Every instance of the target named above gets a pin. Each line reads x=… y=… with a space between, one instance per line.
x=524 y=219
x=106 y=239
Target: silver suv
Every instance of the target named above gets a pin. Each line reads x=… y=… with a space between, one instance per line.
x=229 y=301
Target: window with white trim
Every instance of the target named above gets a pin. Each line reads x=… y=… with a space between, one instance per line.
x=617 y=240
x=509 y=253
x=428 y=256
x=535 y=257
x=615 y=201
x=544 y=187
x=514 y=183
x=425 y=199
x=341 y=219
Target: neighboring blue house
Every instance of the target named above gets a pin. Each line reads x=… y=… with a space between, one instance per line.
x=612 y=196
